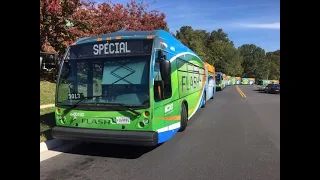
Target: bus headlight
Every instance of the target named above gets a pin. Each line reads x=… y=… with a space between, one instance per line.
x=146 y=121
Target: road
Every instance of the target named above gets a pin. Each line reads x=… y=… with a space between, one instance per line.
x=234 y=137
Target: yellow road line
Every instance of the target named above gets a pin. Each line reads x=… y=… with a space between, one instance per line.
x=243 y=95
x=240 y=92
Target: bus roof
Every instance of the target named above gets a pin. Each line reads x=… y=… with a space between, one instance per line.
x=113 y=35
x=122 y=34
x=210 y=67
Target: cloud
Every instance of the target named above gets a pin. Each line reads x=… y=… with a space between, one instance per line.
x=275 y=25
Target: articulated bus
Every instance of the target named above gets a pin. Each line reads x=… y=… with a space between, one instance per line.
x=244 y=81
x=228 y=80
x=248 y=81
x=128 y=87
x=224 y=79
x=264 y=82
x=238 y=80
x=210 y=88
x=233 y=80
x=220 y=81
x=252 y=81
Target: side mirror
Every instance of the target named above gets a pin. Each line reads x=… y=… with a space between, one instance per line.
x=165 y=69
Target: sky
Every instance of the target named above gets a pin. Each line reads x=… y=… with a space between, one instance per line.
x=245 y=21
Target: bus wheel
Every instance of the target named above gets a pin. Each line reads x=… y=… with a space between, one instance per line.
x=184 y=118
x=204 y=100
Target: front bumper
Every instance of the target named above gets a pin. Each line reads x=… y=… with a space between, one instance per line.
x=142 y=138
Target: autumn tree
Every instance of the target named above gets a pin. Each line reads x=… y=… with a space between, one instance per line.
x=89 y=18
x=64 y=21
x=110 y=17
x=54 y=15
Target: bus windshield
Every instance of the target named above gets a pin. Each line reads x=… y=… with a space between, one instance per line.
x=218 y=78
x=115 y=80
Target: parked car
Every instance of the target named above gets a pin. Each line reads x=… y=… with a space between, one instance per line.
x=272 y=88
x=262 y=87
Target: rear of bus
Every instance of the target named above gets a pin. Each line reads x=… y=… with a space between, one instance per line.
x=233 y=80
x=219 y=81
x=224 y=81
x=103 y=92
x=228 y=80
x=244 y=81
x=238 y=80
x=252 y=81
x=210 y=85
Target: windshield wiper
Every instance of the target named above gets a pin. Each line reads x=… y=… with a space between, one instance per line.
x=124 y=106
x=90 y=97
x=77 y=103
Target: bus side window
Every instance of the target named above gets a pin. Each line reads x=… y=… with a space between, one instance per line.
x=161 y=89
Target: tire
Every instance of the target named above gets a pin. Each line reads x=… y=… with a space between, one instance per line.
x=184 y=118
x=205 y=102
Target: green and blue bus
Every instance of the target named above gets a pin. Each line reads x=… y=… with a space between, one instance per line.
x=128 y=87
x=220 y=81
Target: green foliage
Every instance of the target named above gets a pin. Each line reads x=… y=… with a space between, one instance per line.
x=273 y=59
x=61 y=22
x=217 y=49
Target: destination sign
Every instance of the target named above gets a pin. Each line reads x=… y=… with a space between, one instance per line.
x=111 y=48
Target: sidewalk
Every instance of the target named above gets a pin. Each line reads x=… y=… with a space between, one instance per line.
x=46 y=106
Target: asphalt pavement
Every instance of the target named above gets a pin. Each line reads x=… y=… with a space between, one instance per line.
x=236 y=136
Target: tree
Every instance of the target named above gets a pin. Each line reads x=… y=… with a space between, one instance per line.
x=254 y=61
x=222 y=53
x=53 y=19
x=109 y=17
x=273 y=59
x=185 y=35
x=89 y=18
x=194 y=39
x=219 y=35
x=64 y=21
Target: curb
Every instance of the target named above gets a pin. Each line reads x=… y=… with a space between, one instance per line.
x=55 y=143
x=50 y=144
x=46 y=106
